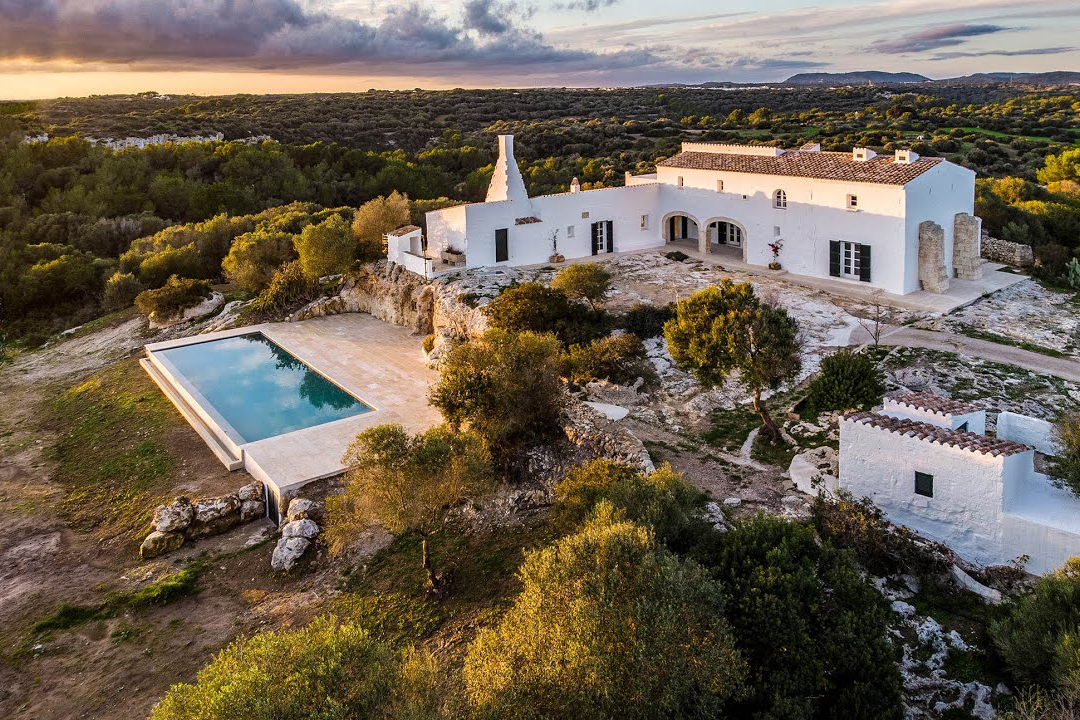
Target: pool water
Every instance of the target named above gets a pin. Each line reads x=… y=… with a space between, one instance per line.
x=258 y=387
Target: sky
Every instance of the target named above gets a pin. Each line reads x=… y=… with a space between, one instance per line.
x=51 y=48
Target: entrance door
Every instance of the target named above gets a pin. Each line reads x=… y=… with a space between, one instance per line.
x=850 y=260
x=602 y=237
x=728 y=233
x=502 y=245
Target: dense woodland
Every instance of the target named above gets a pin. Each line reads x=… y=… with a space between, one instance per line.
x=71 y=209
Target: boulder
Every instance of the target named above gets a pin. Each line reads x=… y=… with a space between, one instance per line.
x=732 y=502
x=199 y=529
x=251 y=492
x=301 y=508
x=174 y=517
x=252 y=510
x=214 y=516
x=287 y=552
x=815 y=470
x=303 y=528
x=159 y=543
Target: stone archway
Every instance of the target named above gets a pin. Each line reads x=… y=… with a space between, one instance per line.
x=725 y=232
x=681 y=227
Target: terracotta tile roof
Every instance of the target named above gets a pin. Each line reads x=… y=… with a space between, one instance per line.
x=925 y=431
x=527 y=220
x=403 y=230
x=819 y=165
x=933 y=403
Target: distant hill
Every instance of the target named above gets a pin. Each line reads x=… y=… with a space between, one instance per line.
x=861 y=77
x=1058 y=77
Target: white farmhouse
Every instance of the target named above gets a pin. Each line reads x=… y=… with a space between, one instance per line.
x=898 y=222
x=928 y=464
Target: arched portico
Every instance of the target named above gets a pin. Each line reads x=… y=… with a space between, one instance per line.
x=725 y=232
x=681 y=227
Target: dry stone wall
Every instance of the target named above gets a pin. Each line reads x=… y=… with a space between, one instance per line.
x=1010 y=253
x=184 y=520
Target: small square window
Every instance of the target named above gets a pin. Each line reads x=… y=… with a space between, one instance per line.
x=585 y=215
x=644 y=222
x=569 y=231
x=853 y=202
x=924 y=484
x=719 y=186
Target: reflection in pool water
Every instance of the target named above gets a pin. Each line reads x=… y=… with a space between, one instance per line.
x=259 y=388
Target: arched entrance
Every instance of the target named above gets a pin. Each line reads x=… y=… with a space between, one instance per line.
x=680 y=227
x=726 y=233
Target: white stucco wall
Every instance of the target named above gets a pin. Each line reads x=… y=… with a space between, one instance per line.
x=445 y=229
x=1028 y=430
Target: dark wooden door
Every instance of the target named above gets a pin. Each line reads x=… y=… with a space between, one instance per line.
x=502 y=245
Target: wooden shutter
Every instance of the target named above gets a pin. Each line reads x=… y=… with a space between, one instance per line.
x=610 y=236
x=595 y=238
x=834 y=258
x=502 y=245
x=864 y=263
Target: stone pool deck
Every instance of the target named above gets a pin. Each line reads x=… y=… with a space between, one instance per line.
x=379 y=363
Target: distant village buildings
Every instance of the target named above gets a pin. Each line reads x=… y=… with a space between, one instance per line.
x=898 y=222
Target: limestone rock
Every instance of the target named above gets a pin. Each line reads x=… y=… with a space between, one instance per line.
x=214 y=516
x=252 y=510
x=732 y=502
x=174 y=517
x=714 y=515
x=302 y=528
x=301 y=508
x=218 y=525
x=815 y=470
x=287 y=552
x=159 y=543
x=252 y=491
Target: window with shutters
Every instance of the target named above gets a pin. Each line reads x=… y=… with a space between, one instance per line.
x=780 y=200
x=853 y=202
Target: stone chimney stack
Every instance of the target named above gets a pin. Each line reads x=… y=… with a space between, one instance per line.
x=863 y=154
x=506 y=181
x=575 y=186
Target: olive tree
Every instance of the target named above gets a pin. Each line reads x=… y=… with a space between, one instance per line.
x=588 y=281
x=374 y=219
x=608 y=624
x=407 y=483
x=326 y=248
x=727 y=328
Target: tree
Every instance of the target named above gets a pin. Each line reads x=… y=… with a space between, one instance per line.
x=255 y=256
x=374 y=219
x=727 y=328
x=326 y=248
x=616 y=358
x=506 y=387
x=813 y=630
x=1064 y=166
x=847 y=381
x=532 y=307
x=407 y=483
x=323 y=671
x=608 y=624
x=588 y=281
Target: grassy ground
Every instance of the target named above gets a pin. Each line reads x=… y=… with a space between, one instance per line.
x=978 y=334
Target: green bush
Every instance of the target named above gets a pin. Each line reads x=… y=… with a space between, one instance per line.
x=327 y=248
x=1067 y=465
x=156 y=268
x=1052 y=263
x=255 y=256
x=172 y=298
x=289 y=287
x=847 y=381
x=608 y=624
x=646 y=321
x=812 y=628
x=586 y=281
x=1040 y=635
x=616 y=358
x=121 y=289
x=324 y=671
x=532 y=307
x=662 y=499
x=676 y=255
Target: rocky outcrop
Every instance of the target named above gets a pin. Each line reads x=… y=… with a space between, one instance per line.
x=599 y=437
x=814 y=471
x=297 y=534
x=288 y=552
x=182 y=520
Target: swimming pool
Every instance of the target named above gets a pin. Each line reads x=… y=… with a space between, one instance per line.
x=256 y=388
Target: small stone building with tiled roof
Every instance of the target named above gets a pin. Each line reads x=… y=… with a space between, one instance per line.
x=927 y=462
x=897 y=222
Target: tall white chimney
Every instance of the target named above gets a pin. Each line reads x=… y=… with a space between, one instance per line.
x=506 y=182
x=575 y=186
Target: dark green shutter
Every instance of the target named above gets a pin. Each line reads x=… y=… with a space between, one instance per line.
x=502 y=245
x=610 y=236
x=864 y=263
x=595 y=238
x=834 y=258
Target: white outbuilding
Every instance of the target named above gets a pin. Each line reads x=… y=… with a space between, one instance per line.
x=899 y=222
x=928 y=464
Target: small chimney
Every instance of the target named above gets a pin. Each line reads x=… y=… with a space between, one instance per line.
x=862 y=154
x=905 y=157
x=575 y=186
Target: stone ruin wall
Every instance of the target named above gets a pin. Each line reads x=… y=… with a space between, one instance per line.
x=1009 y=253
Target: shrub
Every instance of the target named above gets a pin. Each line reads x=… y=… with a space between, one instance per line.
x=156 y=268
x=121 y=290
x=255 y=256
x=847 y=381
x=1039 y=637
x=323 y=671
x=662 y=499
x=813 y=630
x=616 y=358
x=607 y=624
x=647 y=321
x=288 y=287
x=172 y=298
x=677 y=255
x=374 y=219
x=327 y=248
x=1067 y=435
x=1051 y=262
x=531 y=307
x=506 y=387
x=587 y=281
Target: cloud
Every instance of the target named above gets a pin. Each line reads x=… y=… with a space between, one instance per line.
x=1004 y=53
x=279 y=34
x=934 y=38
x=585 y=5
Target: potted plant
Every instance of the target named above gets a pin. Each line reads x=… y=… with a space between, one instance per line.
x=776 y=246
x=555 y=256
